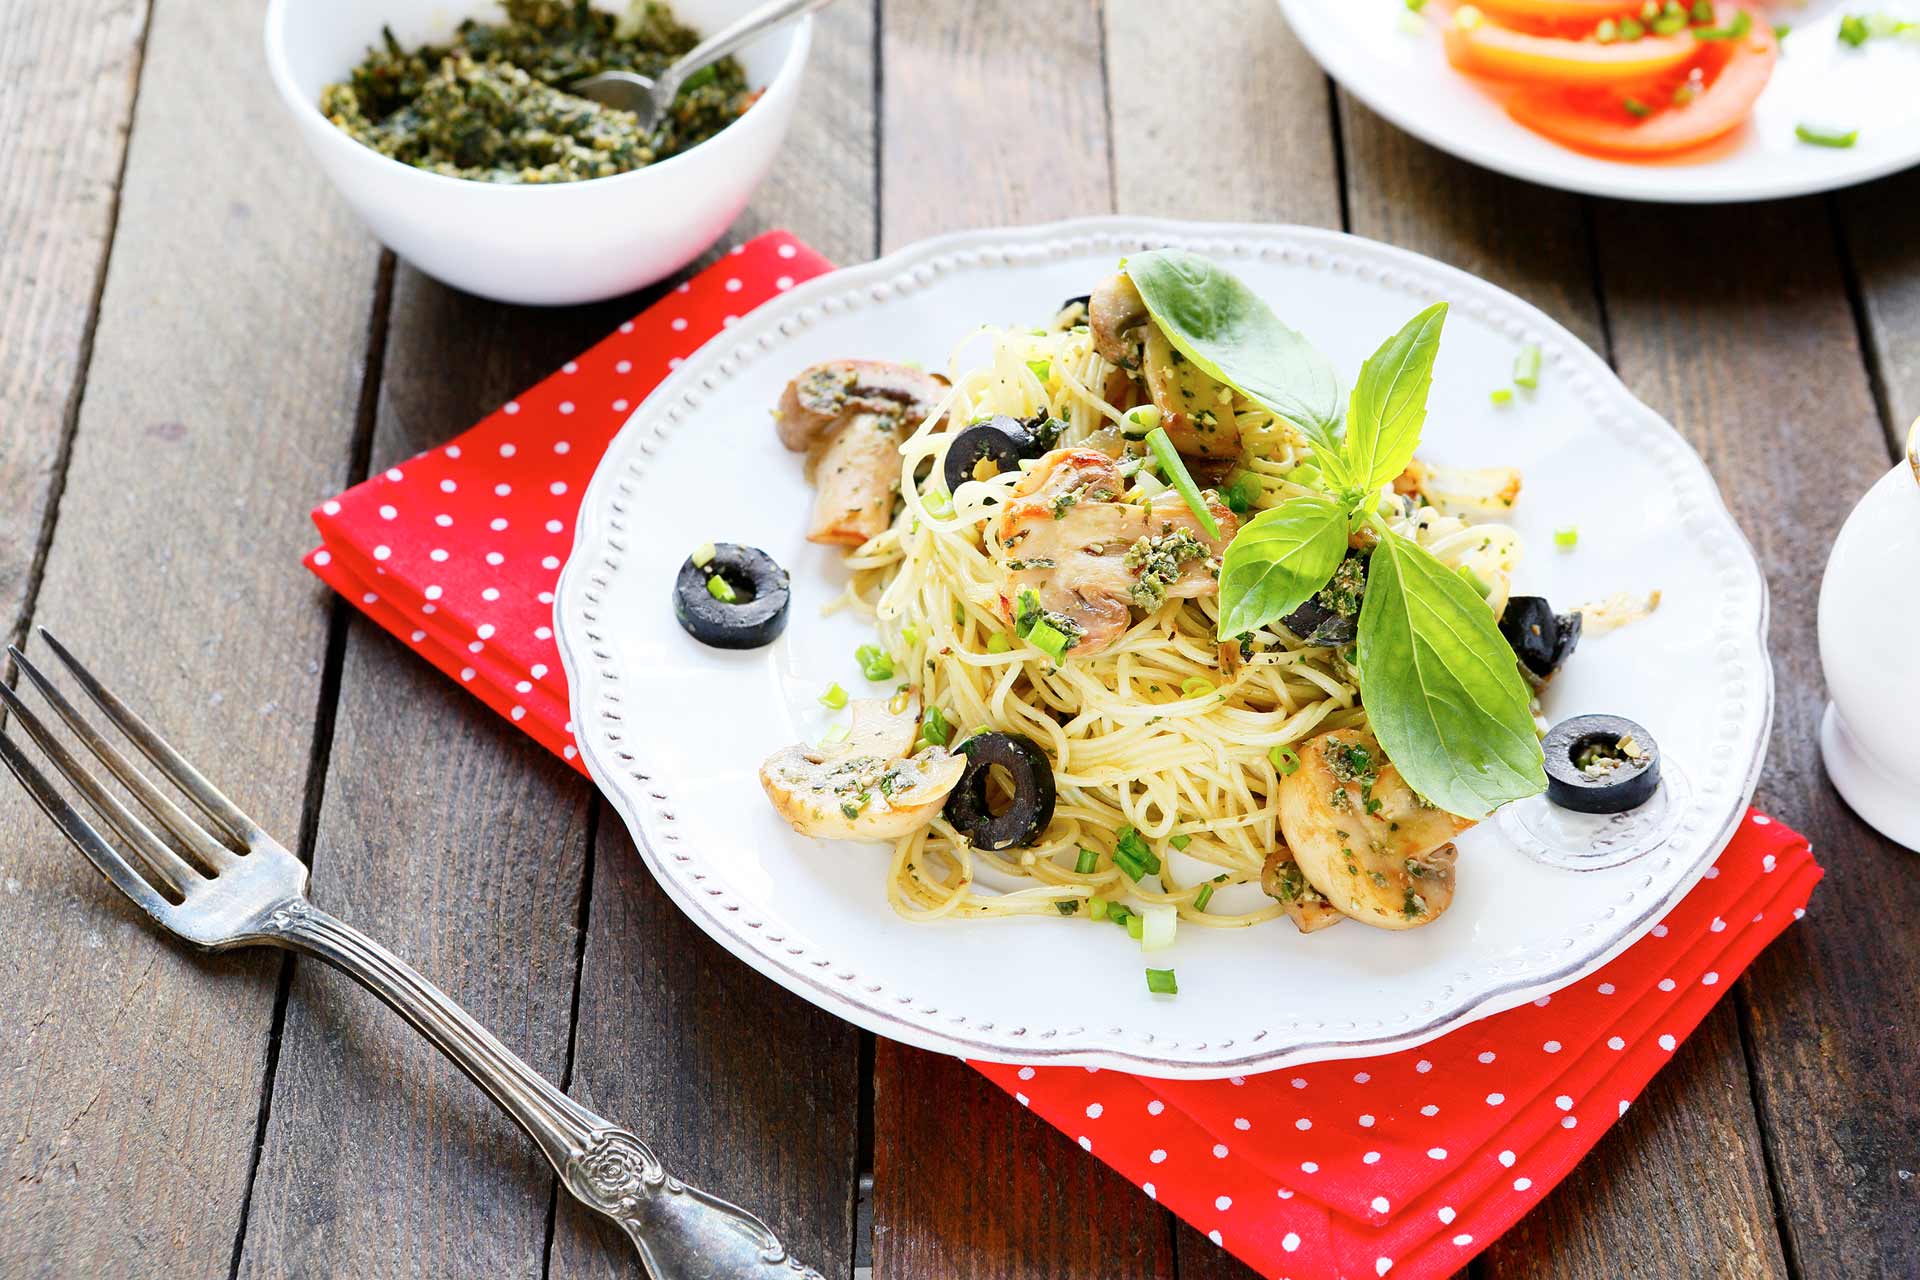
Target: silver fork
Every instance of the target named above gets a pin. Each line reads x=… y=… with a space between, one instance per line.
x=241 y=888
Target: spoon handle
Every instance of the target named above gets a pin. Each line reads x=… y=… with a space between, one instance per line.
x=728 y=38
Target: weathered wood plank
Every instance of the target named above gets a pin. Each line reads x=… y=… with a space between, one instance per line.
x=1268 y=153
x=130 y=1070
x=1762 y=371
x=968 y=1183
x=1878 y=223
x=1530 y=240
x=741 y=1087
x=67 y=75
x=1691 y=1129
x=460 y=843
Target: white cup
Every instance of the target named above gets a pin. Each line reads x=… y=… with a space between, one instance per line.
x=1870 y=651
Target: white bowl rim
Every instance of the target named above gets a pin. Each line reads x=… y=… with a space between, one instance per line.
x=274 y=32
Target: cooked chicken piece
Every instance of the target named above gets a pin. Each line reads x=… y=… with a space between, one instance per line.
x=1196 y=411
x=850 y=416
x=865 y=787
x=1461 y=491
x=1117 y=314
x=1286 y=884
x=1090 y=559
x=1362 y=837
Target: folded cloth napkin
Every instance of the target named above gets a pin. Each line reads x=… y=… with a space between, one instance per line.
x=1411 y=1162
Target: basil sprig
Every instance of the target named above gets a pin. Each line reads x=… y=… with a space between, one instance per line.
x=1440 y=684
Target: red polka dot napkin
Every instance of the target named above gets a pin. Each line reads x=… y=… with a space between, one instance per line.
x=1409 y=1163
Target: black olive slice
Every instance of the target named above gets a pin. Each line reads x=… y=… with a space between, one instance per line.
x=1026 y=816
x=1002 y=439
x=1601 y=764
x=1541 y=638
x=756 y=614
x=1318 y=625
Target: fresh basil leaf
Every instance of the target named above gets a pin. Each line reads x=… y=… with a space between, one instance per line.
x=1279 y=559
x=1222 y=326
x=1390 y=401
x=1441 y=688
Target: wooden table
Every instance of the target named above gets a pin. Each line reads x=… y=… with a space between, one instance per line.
x=197 y=342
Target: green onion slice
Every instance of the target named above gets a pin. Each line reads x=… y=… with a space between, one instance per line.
x=1285 y=760
x=1176 y=473
x=1161 y=982
x=1821 y=136
x=1526 y=365
x=703 y=555
x=722 y=590
x=1202 y=898
x=1566 y=536
x=1086 y=863
x=874 y=662
x=835 y=697
x=1049 y=640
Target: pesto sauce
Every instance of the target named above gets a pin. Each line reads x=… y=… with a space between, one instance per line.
x=492 y=106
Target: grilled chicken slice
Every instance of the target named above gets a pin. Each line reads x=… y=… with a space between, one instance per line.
x=850 y=417
x=1091 y=559
x=1461 y=491
x=1286 y=884
x=1377 y=851
x=866 y=787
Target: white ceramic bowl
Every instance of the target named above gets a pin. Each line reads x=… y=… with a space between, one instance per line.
x=548 y=244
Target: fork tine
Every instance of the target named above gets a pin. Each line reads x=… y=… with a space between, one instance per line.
x=78 y=830
x=157 y=749
x=163 y=861
x=215 y=855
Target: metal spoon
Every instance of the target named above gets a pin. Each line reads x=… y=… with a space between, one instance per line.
x=647 y=98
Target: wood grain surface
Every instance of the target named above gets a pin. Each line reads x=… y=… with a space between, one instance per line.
x=197 y=344
x=131 y=1070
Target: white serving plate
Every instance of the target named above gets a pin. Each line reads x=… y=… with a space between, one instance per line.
x=674 y=732
x=1406 y=79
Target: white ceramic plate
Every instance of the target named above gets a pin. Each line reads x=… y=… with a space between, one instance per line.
x=1405 y=78
x=674 y=732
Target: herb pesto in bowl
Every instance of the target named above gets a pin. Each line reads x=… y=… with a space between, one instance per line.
x=492 y=105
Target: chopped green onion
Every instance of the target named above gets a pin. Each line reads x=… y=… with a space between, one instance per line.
x=959 y=614
x=1853 y=30
x=1242 y=491
x=1703 y=10
x=1566 y=536
x=1048 y=640
x=1097 y=908
x=1285 y=760
x=1086 y=863
x=935 y=730
x=910 y=635
x=1176 y=473
x=1781 y=30
x=1630 y=29
x=874 y=663
x=1474 y=580
x=1638 y=109
x=1649 y=10
x=1118 y=913
x=722 y=590
x=1669 y=24
x=1415 y=6
x=1202 y=898
x=1138 y=421
x=1685 y=92
x=1161 y=982
x=1820 y=136
x=1040 y=368
x=1135 y=845
x=1526 y=365
x=1737 y=26
x=998 y=643
x=1067 y=906
x=1467 y=17
x=1501 y=395
x=1136 y=927
x=938 y=502
x=1158 y=924
x=835 y=697
x=1180 y=842
x=1135 y=869
x=1194 y=686
x=1607 y=32
x=703 y=555
x=836 y=734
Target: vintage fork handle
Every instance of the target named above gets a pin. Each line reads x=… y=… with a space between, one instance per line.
x=682 y=1233
x=729 y=38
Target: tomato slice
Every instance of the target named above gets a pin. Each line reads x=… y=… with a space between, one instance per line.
x=1587 y=11
x=1731 y=75
x=1501 y=53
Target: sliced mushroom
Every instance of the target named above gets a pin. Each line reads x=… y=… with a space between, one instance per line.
x=1196 y=411
x=850 y=416
x=865 y=787
x=1377 y=851
x=1117 y=314
x=1091 y=559
x=1286 y=884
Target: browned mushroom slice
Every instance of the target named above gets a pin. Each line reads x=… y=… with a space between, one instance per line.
x=1196 y=411
x=1117 y=314
x=1286 y=884
x=850 y=416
